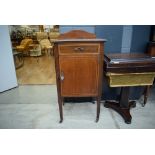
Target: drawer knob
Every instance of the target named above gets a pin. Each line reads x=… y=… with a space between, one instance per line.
x=77 y=49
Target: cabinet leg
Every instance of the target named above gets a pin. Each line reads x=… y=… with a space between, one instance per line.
x=98 y=109
x=60 y=102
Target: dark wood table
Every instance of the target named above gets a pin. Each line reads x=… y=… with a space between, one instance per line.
x=151 y=48
x=125 y=71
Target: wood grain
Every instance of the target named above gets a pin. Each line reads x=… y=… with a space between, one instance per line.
x=77 y=34
x=80 y=75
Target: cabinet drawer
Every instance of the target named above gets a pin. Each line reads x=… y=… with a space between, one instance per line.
x=79 y=48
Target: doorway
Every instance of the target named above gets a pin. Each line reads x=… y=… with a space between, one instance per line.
x=33 y=53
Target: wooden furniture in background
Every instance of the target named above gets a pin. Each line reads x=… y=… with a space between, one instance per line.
x=35 y=50
x=41 y=35
x=125 y=71
x=79 y=63
x=41 y=28
x=46 y=45
x=24 y=46
x=151 y=49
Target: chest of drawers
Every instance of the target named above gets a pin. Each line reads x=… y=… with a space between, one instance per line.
x=79 y=65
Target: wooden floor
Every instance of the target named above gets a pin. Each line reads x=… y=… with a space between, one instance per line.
x=37 y=72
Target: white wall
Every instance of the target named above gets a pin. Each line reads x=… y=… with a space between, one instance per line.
x=8 y=78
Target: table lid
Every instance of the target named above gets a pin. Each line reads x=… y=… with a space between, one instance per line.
x=125 y=58
x=129 y=62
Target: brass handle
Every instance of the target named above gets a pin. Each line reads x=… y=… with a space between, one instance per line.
x=62 y=76
x=79 y=49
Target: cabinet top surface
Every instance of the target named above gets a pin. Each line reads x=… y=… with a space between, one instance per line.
x=80 y=40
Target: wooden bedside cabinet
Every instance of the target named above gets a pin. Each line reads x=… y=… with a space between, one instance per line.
x=79 y=65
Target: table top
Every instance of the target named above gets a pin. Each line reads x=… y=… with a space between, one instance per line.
x=129 y=62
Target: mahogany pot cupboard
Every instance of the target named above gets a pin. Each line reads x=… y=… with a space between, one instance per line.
x=79 y=67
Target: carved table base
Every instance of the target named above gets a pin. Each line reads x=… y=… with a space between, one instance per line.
x=124 y=112
x=124 y=105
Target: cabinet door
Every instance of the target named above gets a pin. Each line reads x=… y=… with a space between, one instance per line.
x=79 y=75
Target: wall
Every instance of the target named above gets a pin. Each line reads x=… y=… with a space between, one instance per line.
x=7 y=69
x=126 y=38
x=66 y=28
x=140 y=38
x=113 y=34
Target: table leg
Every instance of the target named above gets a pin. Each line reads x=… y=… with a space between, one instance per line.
x=123 y=106
x=146 y=93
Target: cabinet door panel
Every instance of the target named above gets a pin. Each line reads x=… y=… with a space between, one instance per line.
x=80 y=75
x=86 y=75
x=67 y=69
